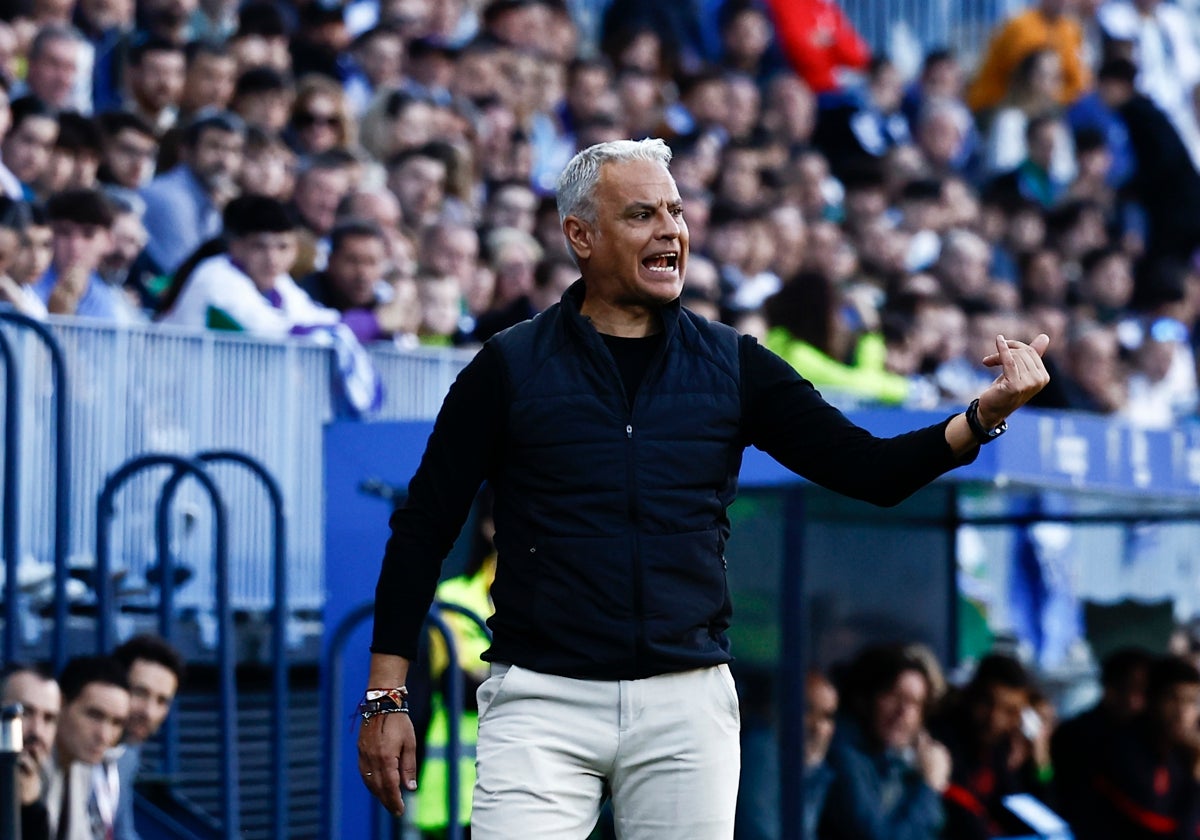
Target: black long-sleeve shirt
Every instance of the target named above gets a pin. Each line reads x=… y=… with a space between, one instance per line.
x=783 y=415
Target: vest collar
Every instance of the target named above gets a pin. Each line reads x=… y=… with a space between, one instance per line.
x=572 y=303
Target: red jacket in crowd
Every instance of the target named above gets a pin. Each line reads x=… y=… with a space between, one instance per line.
x=818 y=38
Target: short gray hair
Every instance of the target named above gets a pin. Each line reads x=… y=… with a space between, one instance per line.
x=576 y=187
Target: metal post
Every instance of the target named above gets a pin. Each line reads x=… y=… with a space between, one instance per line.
x=11 y=544
x=226 y=663
x=793 y=666
x=62 y=478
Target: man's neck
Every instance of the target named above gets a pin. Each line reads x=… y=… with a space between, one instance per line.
x=622 y=323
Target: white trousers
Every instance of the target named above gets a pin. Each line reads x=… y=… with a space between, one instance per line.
x=665 y=747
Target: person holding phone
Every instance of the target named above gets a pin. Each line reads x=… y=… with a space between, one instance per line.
x=889 y=774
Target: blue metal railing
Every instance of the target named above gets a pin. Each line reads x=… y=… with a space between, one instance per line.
x=9 y=538
x=226 y=661
x=62 y=485
x=279 y=610
x=334 y=715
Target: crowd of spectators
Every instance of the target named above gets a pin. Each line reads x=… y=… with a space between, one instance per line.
x=892 y=752
x=395 y=161
x=83 y=734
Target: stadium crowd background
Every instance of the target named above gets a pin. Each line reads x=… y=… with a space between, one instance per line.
x=873 y=227
x=869 y=227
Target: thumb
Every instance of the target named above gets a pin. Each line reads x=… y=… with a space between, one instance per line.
x=1040 y=344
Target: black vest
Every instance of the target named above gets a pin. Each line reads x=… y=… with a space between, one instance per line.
x=610 y=516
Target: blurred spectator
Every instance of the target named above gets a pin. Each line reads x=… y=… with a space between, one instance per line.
x=95 y=709
x=130 y=147
x=513 y=256
x=321 y=119
x=59 y=60
x=155 y=671
x=248 y=289
x=125 y=267
x=1166 y=182
x=1045 y=25
x=1079 y=743
x=378 y=56
x=41 y=704
x=378 y=205
x=10 y=185
x=1034 y=91
x=1040 y=176
x=1162 y=384
x=155 y=76
x=441 y=309
x=76 y=155
x=819 y=41
x=183 y=206
x=263 y=98
x=321 y=183
x=353 y=281
x=864 y=123
x=888 y=773
x=418 y=178
x=990 y=754
x=27 y=145
x=747 y=42
x=1093 y=376
x=209 y=79
x=268 y=166
x=81 y=221
x=823 y=338
x=820 y=715
x=1145 y=779
x=1164 y=48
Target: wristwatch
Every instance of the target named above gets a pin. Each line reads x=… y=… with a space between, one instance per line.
x=983 y=435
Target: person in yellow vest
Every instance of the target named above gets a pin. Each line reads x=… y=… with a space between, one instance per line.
x=471 y=590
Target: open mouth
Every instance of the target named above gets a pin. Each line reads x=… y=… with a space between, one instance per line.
x=663 y=263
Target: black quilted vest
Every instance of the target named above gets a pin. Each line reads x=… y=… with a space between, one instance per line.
x=611 y=516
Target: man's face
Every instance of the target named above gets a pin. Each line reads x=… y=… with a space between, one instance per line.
x=264 y=256
x=130 y=158
x=356 y=266
x=819 y=714
x=209 y=82
x=1179 y=712
x=52 y=74
x=998 y=714
x=420 y=185
x=635 y=253
x=92 y=723
x=27 y=149
x=42 y=703
x=79 y=245
x=899 y=713
x=318 y=193
x=457 y=254
x=128 y=240
x=217 y=158
x=35 y=254
x=152 y=689
x=158 y=82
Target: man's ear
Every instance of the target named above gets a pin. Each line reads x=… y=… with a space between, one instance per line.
x=579 y=236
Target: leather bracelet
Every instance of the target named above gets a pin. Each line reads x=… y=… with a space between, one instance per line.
x=978 y=430
x=368 y=709
x=398 y=695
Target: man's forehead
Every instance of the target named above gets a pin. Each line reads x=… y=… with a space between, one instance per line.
x=638 y=181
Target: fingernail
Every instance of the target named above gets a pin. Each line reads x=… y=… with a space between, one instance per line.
x=412 y=785
x=1002 y=338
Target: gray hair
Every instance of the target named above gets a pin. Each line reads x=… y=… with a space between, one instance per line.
x=576 y=187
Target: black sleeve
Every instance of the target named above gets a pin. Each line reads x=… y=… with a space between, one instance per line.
x=465 y=440
x=788 y=419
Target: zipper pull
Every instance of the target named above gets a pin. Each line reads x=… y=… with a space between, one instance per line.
x=629 y=431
